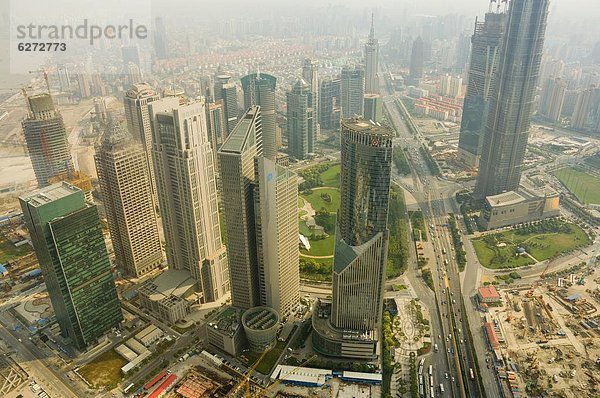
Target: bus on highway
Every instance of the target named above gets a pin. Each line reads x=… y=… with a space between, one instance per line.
x=441 y=388
x=430 y=370
x=471 y=374
x=128 y=388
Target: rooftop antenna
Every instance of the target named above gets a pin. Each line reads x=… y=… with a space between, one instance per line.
x=372 y=32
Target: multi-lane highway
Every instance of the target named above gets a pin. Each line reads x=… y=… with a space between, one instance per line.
x=455 y=362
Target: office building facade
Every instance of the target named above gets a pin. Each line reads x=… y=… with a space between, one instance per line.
x=417 y=62
x=237 y=163
x=276 y=207
x=68 y=242
x=122 y=167
x=483 y=67
x=352 y=92
x=186 y=185
x=329 y=103
x=259 y=89
x=136 y=102
x=301 y=122
x=511 y=102
x=361 y=242
x=553 y=98
x=225 y=90
x=46 y=139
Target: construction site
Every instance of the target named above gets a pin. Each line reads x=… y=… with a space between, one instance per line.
x=545 y=337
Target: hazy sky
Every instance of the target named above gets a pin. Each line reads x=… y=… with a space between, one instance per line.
x=586 y=9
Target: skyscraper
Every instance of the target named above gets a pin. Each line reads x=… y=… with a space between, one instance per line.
x=310 y=74
x=371 y=62
x=160 y=39
x=276 y=211
x=136 y=102
x=373 y=106
x=483 y=67
x=463 y=46
x=511 y=102
x=301 y=123
x=417 y=60
x=227 y=91
x=553 y=97
x=187 y=194
x=46 y=139
x=329 y=103
x=352 y=91
x=259 y=89
x=353 y=325
x=217 y=130
x=582 y=108
x=122 y=167
x=361 y=235
x=236 y=161
x=260 y=200
x=68 y=242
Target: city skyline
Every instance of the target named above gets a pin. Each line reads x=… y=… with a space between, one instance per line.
x=316 y=199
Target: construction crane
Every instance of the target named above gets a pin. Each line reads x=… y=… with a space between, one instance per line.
x=245 y=382
x=272 y=386
x=45 y=74
x=538 y=281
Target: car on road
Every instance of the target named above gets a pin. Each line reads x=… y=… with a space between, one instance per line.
x=447 y=376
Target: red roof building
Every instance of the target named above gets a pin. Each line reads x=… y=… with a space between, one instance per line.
x=488 y=294
x=491 y=335
x=163 y=387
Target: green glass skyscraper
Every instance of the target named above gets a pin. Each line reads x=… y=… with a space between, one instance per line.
x=68 y=242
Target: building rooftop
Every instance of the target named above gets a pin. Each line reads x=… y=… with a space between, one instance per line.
x=260 y=318
x=489 y=292
x=368 y=127
x=301 y=375
x=170 y=283
x=50 y=193
x=236 y=141
x=227 y=322
x=505 y=199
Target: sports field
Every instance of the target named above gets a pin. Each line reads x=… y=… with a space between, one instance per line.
x=583 y=185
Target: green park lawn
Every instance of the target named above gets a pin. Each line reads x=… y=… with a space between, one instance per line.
x=268 y=361
x=331 y=176
x=318 y=202
x=542 y=246
x=104 y=371
x=322 y=247
x=583 y=185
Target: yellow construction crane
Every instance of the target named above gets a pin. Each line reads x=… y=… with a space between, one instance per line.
x=272 y=386
x=245 y=382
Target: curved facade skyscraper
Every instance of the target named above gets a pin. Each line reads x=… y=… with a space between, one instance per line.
x=361 y=235
x=350 y=326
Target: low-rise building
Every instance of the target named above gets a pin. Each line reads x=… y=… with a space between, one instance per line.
x=226 y=332
x=488 y=294
x=261 y=325
x=165 y=296
x=515 y=207
x=331 y=341
x=149 y=335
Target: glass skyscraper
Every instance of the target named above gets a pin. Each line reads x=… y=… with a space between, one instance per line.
x=511 y=102
x=68 y=242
